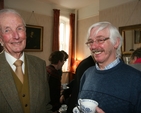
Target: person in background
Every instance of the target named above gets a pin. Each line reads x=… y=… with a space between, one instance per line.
x=135 y=59
x=65 y=55
x=65 y=58
x=57 y=60
x=81 y=68
x=115 y=85
x=66 y=93
x=31 y=93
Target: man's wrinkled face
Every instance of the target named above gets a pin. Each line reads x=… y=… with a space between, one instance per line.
x=12 y=33
x=103 y=50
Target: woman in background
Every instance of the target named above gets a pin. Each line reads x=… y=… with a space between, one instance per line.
x=57 y=59
x=135 y=59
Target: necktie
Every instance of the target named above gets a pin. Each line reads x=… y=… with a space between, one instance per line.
x=18 y=71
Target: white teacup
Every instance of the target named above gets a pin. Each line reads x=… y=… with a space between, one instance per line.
x=87 y=105
x=76 y=109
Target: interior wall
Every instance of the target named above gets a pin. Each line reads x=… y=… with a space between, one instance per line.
x=122 y=15
x=104 y=4
x=83 y=25
x=86 y=17
x=89 y=11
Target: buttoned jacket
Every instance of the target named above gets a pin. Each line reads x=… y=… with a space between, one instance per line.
x=38 y=85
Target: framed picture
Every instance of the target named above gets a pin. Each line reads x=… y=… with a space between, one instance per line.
x=34 y=42
x=137 y=36
x=126 y=57
x=131 y=37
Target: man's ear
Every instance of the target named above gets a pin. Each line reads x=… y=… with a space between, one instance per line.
x=117 y=43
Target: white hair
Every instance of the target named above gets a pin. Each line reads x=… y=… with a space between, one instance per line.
x=114 y=34
x=4 y=11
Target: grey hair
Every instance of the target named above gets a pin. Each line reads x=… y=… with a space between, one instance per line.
x=3 y=11
x=114 y=34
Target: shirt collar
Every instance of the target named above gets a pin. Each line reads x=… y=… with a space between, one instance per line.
x=111 y=65
x=10 y=59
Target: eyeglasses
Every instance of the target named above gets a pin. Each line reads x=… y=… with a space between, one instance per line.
x=98 y=41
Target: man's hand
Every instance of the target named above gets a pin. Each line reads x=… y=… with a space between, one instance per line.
x=98 y=110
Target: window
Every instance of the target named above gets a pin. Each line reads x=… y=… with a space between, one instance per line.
x=64 y=38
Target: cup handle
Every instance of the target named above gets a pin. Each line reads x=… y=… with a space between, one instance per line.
x=79 y=101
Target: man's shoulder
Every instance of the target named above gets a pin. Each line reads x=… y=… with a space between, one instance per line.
x=136 y=66
x=33 y=58
x=130 y=71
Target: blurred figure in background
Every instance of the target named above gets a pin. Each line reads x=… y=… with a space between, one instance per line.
x=81 y=68
x=65 y=55
x=57 y=60
x=66 y=93
x=135 y=59
x=65 y=59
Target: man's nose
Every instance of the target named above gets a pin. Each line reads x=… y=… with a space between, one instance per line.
x=94 y=45
x=15 y=34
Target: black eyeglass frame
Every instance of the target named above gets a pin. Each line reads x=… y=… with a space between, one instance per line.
x=98 y=41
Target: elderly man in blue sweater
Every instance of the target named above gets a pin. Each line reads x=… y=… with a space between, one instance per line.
x=113 y=84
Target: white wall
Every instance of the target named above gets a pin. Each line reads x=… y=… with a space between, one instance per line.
x=39 y=7
x=93 y=9
x=104 y=4
x=89 y=11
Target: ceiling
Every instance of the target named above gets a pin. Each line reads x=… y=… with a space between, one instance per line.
x=71 y=4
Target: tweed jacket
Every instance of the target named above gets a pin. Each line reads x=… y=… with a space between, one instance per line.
x=38 y=85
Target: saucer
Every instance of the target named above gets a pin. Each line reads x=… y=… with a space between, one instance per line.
x=76 y=110
x=66 y=87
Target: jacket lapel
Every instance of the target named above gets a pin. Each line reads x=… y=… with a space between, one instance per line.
x=7 y=86
x=33 y=83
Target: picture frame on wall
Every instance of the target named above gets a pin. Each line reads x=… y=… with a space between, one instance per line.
x=34 y=41
x=131 y=38
x=137 y=36
x=126 y=57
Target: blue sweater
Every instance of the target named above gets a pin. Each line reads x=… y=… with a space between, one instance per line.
x=117 y=90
